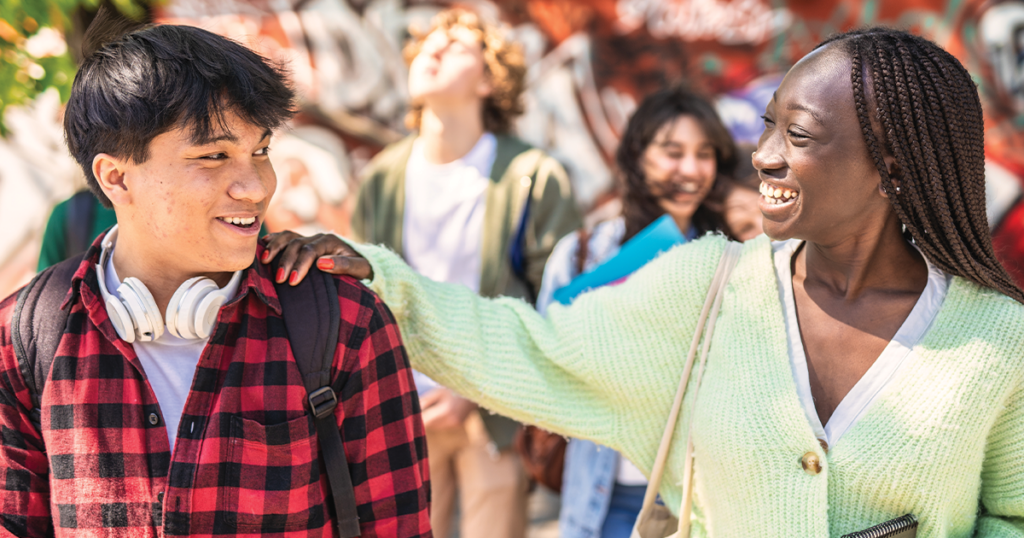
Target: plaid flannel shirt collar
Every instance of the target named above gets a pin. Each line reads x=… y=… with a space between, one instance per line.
x=257 y=278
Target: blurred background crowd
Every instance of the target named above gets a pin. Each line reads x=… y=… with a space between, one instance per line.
x=589 y=65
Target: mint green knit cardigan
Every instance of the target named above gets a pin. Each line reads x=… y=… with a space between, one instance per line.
x=945 y=441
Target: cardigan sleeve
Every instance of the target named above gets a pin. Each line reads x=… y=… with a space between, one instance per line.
x=578 y=372
x=1002 y=476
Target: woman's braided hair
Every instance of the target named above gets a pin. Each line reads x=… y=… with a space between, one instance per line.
x=931 y=123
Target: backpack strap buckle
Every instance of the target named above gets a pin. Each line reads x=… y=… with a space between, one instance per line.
x=322 y=402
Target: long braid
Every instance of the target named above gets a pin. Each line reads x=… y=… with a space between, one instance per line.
x=923 y=147
x=930 y=118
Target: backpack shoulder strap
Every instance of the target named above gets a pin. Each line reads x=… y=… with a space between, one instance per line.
x=38 y=323
x=517 y=250
x=78 y=222
x=312 y=318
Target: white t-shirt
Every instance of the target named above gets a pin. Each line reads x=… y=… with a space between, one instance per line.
x=442 y=229
x=896 y=355
x=444 y=213
x=169 y=362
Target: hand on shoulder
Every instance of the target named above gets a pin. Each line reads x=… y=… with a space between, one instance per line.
x=299 y=253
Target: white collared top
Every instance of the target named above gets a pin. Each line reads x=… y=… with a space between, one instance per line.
x=898 y=353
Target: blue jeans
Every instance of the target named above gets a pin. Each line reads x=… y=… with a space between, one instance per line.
x=622 y=511
x=593 y=505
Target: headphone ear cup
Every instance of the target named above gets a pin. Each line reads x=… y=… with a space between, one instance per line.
x=149 y=323
x=206 y=313
x=120 y=319
x=187 y=307
x=171 y=316
x=130 y=299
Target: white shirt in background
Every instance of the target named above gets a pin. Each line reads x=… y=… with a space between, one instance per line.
x=444 y=213
x=442 y=229
x=170 y=362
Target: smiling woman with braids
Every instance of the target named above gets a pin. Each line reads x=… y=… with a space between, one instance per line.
x=868 y=363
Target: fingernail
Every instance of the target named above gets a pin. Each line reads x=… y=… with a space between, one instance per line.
x=280 y=275
x=294 y=279
x=265 y=257
x=325 y=264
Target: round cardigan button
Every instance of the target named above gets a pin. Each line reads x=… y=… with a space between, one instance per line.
x=811 y=463
x=154 y=419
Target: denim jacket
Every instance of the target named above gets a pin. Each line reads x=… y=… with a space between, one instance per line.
x=587 y=484
x=590 y=469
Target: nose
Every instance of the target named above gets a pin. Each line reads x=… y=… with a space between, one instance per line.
x=768 y=157
x=688 y=166
x=439 y=51
x=253 y=183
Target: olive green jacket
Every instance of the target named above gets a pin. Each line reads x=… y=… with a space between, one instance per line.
x=380 y=209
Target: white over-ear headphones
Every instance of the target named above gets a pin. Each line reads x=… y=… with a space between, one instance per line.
x=191 y=313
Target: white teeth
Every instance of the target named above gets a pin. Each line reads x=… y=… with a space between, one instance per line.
x=689 y=187
x=777 y=195
x=239 y=221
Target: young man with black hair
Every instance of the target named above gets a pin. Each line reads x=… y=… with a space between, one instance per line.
x=200 y=426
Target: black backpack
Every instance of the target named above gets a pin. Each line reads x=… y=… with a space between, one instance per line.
x=78 y=221
x=311 y=316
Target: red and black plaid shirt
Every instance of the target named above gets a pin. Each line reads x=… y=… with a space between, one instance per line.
x=246 y=457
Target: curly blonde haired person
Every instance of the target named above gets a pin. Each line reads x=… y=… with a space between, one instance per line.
x=504 y=66
x=467 y=202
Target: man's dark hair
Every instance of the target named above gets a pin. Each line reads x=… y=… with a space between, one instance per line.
x=639 y=201
x=930 y=118
x=157 y=78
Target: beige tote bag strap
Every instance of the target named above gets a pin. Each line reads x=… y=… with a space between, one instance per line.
x=710 y=311
x=687 y=502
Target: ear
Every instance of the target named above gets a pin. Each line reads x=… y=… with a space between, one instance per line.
x=894 y=172
x=485 y=88
x=110 y=174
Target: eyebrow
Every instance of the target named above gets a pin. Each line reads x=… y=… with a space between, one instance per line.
x=815 y=115
x=229 y=137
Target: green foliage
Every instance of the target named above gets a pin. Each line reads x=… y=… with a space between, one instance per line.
x=33 y=52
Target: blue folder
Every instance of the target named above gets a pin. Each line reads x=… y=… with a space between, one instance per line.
x=660 y=236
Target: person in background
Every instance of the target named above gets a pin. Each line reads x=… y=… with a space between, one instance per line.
x=464 y=202
x=739 y=209
x=737 y=197
x=670 y=159
x=72 y=226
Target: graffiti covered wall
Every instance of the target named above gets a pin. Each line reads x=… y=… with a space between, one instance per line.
x=590 y=61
